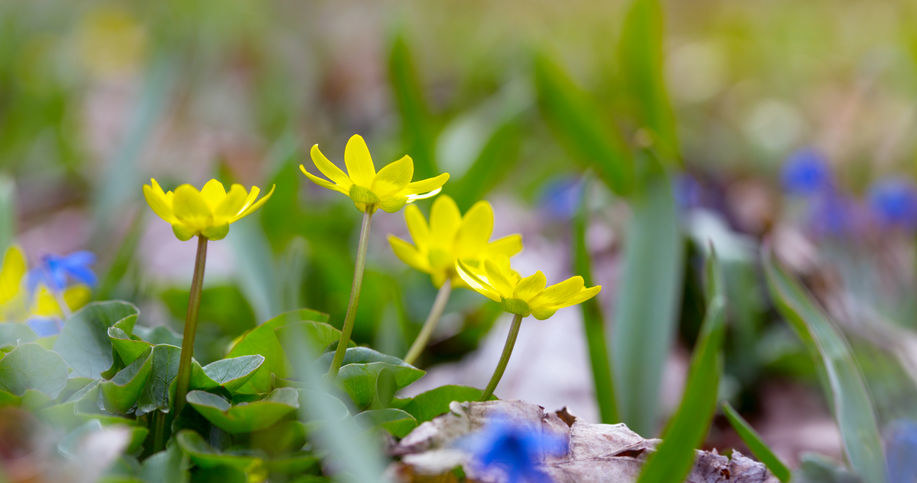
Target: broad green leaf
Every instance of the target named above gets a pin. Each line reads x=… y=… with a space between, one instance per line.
x=248 y=416
x=15 y=334
x=575 y=120
x=593 y=317
x=156 y=393
x=233 y=372
x=646 y=307
x=674 y=457
x=397 y=422
x=169 y=465
x=158 y=335
x=263 y=341
x=361 y=369
x=416 y=122
x=641 y=61
x=753 y=440
x=121 y=392
x=205 y=456
x=84 y=343
x=282 y=438
x=428 y=405
x=128 y=348
x=853 y=409
x=32 y=368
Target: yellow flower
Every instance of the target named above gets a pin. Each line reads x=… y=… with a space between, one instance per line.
x=11 y=274
x=46 y=304
x=207 y=212
x=450 y=237
x=496 y=280
x=388 y=189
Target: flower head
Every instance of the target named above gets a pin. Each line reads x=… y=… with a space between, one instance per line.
x=893 y=202
x=514 y=448
x=388 y=189
x=805 y=173
x=496 y=280
x=54 y=270
x=450 y=237
x=207 y=212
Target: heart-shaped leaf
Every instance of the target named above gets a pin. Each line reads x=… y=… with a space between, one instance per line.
x=155 y=394
x=15 y=334
x=205 y=456
x=169 y=465
x=395 y=421
x=32 y=368
x=360 y=372
x=127 y=347
x=247 y=416
x=233 y=372
x=84 y=343
x=121 y=392
x=428 y=405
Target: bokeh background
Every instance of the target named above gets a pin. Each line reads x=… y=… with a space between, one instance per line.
x=97 y=97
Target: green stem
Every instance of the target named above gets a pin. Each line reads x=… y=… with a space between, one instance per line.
x=427 y=330
x=351 y=316
x=159 y=431
x=504 y=358
x=187 y=343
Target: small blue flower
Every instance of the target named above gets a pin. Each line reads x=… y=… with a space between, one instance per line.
x=54 y=270
x=833 y=214
x=893 y=201
x=901 y=451
x=560 y=198
x=688 y=191
x=515 y=449
x=806 y=172
x=44 y=326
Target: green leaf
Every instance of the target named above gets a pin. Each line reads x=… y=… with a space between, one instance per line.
x=156 y=393
x=360 y=372
x=575 y=120
x=641 y=61
x=158 y=335
x=127 y=347
x=7 y=212
x=753 y=440
x=32 y=368
x=397 y=422
x=84 y=343
x=416 y=122
x=853 y=409
x=169 y=465
x=15 y=334
x=205 y=456
x=263 y=341
x=233 y=372
x=674 y=457
x=121 y=392
x=646 y=307
x=593 y=318
x=247 y=416
x=428 y=405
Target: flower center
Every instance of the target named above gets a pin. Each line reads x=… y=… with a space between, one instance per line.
x=360 y=194
x=517 y=306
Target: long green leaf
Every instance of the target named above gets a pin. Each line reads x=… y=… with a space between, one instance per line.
x=416 y=121
x=641 y=62
x=646 y=305
x=753 y=440
x=568 y=109
x=594 y=319
x=673 y=459
x=853 y=408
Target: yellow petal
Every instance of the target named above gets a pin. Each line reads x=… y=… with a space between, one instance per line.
x=417 y=225
x=76 y=296
x=158 y=201
x=506 y=246
x=251 y=209
x=444 y=220
x=499 y=279
x=476 y=226
x=325 y=183
x=327 y=168
x=214 y=193
x=530 y=286
x=45 y=304
x=232 y=204
x=560 y=292
x=11 y=273
x=190 y=207
x=359 y=163
x=393 y=177
x=477 y=281
x=408 y=254
x=425 y=188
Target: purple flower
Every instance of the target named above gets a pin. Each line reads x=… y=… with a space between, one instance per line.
x=55 y=270
x=806 y=172
x=893 y=201
x=688 y=191
x=513 y=448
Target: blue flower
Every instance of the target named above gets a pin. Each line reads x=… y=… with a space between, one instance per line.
x=893 y=201
x=832 y=214
x=44 y=326
x=515 y=449
x=560 y=199
x=805 y=173
x=901 y=451
x=688 y=191
x=54 y=270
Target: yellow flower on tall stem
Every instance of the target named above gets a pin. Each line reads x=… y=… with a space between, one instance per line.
x=207 y=214
x=438 y=245
x=388 y=189
x=521 y=296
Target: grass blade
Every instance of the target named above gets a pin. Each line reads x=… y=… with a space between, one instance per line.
x=753 y=440
x=593 y=319
x=646 y=306
x=416 y=120
x=853 y=408
x=575 y=120
x=674 y=458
